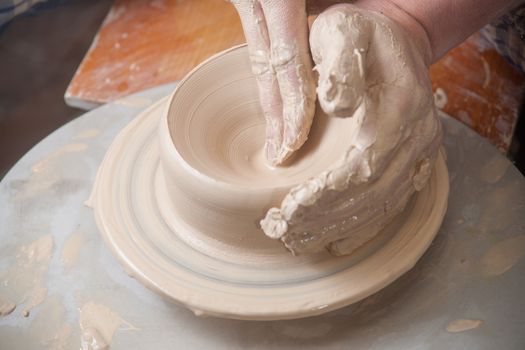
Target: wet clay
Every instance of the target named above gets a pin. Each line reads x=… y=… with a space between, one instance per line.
x=61 y=337
x=98 y=323
x=134 y=101
x=462 y=325
x=24 y=281
x=87 y=134
x=222 y=170
x=440 y=98
x=494 y=169
x=46 y=173
x=36 y=297
x=50 y=326
x=174 y=192
x=502 y=256
x=69 y=148
x=6 y=306
x=71 y=249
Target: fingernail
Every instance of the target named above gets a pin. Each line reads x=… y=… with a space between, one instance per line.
x=284 y=153
x=294 y=136
x=271 y=151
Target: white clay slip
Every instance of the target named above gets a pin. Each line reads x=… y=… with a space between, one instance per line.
x=23 y=283
x=71 y=249
x=98 y=323
x=463 y=325
x=6 y=306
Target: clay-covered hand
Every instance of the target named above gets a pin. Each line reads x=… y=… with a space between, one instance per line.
x=277 y=36
x=372 y=71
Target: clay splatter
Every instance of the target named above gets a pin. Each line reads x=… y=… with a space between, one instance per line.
x=98 y=324
x=26 y=279
x=6 y=306
x=462 y=325
x=503 y=256
x=494 y=169
x=134 y=102
x=87 y=134
x=46 y=173
x=440 y=98
x=486 y=68
x=71 y=249
x=50 y=327
x=70 y=148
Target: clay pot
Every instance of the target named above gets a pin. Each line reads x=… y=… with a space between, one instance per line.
x=212 y=153
x=180 y=192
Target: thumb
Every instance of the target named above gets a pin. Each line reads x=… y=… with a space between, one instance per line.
x=339 y=44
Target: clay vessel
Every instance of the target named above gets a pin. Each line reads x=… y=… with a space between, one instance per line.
x=211 y=141
x=180 y=192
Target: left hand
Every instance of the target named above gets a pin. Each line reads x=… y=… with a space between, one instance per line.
x=373 y=70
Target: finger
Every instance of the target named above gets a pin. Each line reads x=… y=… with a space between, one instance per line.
x=290 y=59
x=256 y=33
x=342 y=221
x=395 y=195
x=339 y=42
x=315 y=219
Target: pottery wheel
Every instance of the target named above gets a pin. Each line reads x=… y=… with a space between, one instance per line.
x=145 y=237
x=466 y=291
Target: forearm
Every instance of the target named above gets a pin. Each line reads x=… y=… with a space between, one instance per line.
x=445 y=23
x=450 y=22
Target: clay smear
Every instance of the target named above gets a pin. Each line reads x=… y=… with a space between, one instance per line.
x=50 y=326
x=36 y=297
x=70 y=148
x=60 y=339
x=216 y=212
x=440 y=98
x=87 y=134
x=6 y=306
x=134 y=102
x=45 y=173
x=503 y=256
x=71 y=249
x=98 y=323
x=462 y=325
x=34 y=260
x=24 y=281
x=494 y=169
x=303 y=331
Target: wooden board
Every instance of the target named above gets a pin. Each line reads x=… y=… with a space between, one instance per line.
x=483 y=90
x=144 y=43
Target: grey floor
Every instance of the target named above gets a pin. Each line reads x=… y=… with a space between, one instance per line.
x=39 y=53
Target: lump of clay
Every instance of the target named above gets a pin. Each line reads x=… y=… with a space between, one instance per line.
x=372 y=72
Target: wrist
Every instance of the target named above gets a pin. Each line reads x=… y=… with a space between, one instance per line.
x=410 y=24
x=448 y=23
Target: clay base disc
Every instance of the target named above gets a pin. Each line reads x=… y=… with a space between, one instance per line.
x=145 y=236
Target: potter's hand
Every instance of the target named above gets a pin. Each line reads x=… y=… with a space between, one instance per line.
x=375 y=72
x=277 y=37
